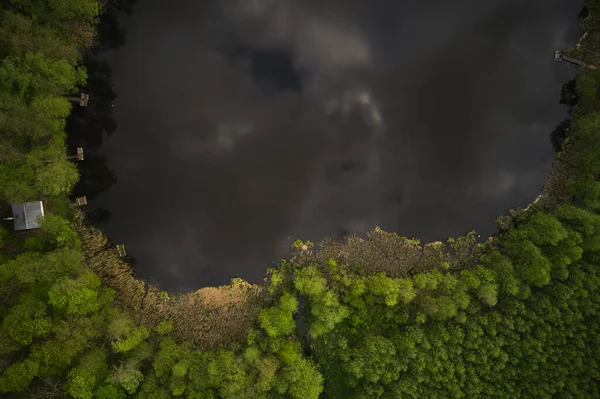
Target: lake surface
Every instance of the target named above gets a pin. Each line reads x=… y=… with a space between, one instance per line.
x=244 y=125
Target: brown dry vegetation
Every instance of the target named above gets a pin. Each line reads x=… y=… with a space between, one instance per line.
x=208 y=317
x=213 y=316
x=397 y=256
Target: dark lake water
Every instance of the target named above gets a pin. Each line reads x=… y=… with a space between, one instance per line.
x=244 y=125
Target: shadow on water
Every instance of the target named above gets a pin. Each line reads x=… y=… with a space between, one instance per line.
x=273 y=69
x=343 y=173
x=397 y=195
x=88 y=126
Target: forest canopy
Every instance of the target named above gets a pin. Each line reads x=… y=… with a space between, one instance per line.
x=381 y=317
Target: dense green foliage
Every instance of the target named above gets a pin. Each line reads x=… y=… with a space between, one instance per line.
x=515 y=317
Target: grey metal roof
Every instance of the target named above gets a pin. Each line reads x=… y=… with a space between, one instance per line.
x=26 y=216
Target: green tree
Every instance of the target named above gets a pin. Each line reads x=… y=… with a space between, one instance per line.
x=55 y=232
x=91 y=370
x=35 y=267
x=530 y=263
x=127 y=375
x=227 y=373
x=327 y=311
x=381 y=285
x=21 y=34
x=543 y=229
x=374 y=360
x=18 y=376
x=27 y=319
x=309 y=281
x=278 y=320
x=301 y=380
x=75 y=296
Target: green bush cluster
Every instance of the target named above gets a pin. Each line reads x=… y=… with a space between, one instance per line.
x=33 y=83
x=500 y=329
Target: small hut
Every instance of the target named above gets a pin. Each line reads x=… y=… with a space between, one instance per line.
x=27 y=216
